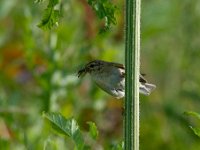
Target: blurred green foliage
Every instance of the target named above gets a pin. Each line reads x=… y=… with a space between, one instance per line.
x=51 y=15
x=93 y=130
x=68 y=127
x=106 y=10
x=39 y=73
x=196 y=115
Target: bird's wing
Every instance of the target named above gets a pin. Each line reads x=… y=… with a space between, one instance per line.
x=142 y=79
x=118 y=65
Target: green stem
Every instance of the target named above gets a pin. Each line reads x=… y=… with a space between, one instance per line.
x=132 y=64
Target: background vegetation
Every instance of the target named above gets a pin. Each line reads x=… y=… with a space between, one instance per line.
x=39 y=73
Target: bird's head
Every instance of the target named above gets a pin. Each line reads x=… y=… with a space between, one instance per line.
x=90 y=67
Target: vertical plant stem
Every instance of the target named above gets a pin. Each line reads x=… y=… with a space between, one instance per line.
x=132 y=64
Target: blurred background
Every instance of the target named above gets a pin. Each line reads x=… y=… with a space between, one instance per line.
x=38 y=72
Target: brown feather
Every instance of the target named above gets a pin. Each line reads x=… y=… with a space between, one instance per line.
x=118 y=65
x=142 y=79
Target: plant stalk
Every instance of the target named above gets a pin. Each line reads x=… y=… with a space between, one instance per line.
x=132 y=65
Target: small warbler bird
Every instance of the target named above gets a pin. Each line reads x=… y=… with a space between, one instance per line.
x=110 y=77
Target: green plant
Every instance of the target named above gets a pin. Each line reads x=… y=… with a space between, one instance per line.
x=69 y=127
x=51 y=15
x=105 y=10
x=132 y=65
x=197 y=116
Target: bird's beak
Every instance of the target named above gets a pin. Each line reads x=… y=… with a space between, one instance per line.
x=82 y=72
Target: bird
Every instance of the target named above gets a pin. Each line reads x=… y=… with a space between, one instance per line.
x=110 y=77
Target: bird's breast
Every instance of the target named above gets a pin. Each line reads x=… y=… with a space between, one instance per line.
x=110 y=81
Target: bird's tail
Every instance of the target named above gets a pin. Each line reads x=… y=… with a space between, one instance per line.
x=147 y=88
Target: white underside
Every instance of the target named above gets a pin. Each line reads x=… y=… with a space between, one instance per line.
x=114 y=84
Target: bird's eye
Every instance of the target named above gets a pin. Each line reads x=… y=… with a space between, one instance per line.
x=92 y=65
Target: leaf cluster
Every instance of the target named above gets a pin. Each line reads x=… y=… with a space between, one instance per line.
x=105 y=10
x=51 y=15
x=69 y=127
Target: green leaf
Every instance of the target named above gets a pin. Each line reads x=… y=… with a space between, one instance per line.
x=105 y=10
x=68 y=127
x=51 y=15
x=191 y=113
x=50 y=18
x=196 y=131
x=93 y=130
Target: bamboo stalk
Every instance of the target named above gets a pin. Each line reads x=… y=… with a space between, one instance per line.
x=132 y=64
